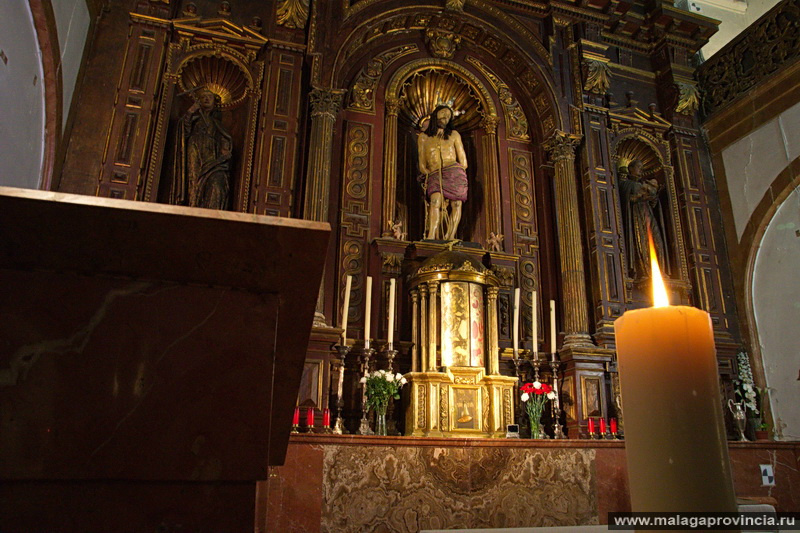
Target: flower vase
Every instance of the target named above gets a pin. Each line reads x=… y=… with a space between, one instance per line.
x=535 y=427
x=380 y=421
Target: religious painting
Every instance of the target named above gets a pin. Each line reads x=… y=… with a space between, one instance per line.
x=591 y=396
x=466 y=411
x=455 y=324
x=310 y=393
x=476 y=324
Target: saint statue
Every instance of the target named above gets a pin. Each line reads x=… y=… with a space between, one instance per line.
x=442 y=166
x=641 y=208
x=202 y=157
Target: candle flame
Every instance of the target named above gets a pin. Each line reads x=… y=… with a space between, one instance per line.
x=660 y=297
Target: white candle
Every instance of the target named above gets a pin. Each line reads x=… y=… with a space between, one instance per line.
x=534 y=326
x=367 y=312
x=346 y=308
x=515 y=346
x=553 y=328
x=390 y=334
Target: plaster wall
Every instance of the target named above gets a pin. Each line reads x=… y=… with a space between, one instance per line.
x=776 y=305
x=72 y=23
x=22 y=109
x=753 y=162
x=734 y=15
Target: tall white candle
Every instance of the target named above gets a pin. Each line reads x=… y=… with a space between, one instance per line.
x=534 y=326
x=553 y=330
x=346 y=308
x=390 y=333
x=368 y=312
x=515 y=326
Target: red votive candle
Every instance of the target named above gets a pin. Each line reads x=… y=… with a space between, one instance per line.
x=602 y=426
x=591 y=426
x=310 y=417
x=326 y=418
x=296 y=417
x=614 y=425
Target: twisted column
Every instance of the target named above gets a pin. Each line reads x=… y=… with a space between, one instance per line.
x=561 y=147
x=325 y=104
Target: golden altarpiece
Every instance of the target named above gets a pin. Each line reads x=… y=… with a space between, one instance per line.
x=321 y=105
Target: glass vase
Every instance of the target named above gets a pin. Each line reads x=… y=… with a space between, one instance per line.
x=380 y=421
x=535 y=427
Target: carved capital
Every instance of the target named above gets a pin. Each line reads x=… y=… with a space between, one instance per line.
x=562 y=145
x=454 y=5
x=292 y=13
x=598 y=76
x=489 y=123
x=688 y=99
x=325 y=102
x=393 y=106
x=442 y=43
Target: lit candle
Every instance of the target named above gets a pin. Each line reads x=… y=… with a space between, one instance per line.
x=296 y=417
x=668 y=372
x=534 y=326
x=346 y=308
x=590 y=426
x=553 y=337
x=326 y=418
x=368 y=312
x=602 y=426
x=390 y=334
x=310 y=417
x=614 y=426
x=515 y=346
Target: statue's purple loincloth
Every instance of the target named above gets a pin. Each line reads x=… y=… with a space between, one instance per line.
x=454 y=183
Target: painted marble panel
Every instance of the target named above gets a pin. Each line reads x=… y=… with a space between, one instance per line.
x=402 y=489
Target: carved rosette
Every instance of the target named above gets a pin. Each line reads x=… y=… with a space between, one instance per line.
x=598 y=76
x=293 y=13
x=442 y=43
x=688 y=99
x=562 y=145
x=489 y=124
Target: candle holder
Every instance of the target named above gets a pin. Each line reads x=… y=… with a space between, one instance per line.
x=558 y=430
x=326 y=421
x=391 y=423
x=338 y=366
x=590 y=428
x=364 y=428
x=390 y=355
x=517 y=401
x=296 y=420
x=310 y=420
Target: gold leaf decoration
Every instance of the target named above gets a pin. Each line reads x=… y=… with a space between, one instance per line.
x=293 y=13
x=688 y=99
x=598 y=77
x=426 y=89
x=219 y=75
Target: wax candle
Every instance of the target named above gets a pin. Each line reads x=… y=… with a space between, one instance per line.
x=390 y=333
x=326 y=418
x=534 y=326
x=515 y=324
x=614 y=426
x=602 y=426
x=310 y=417
x=368 y=310
x=590 y=426
x=296 y=417
x=346 y=308
x=553 y=341
x=669 y=374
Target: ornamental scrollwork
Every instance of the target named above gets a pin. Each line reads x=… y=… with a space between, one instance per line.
x=688 y=99
x=598 y=76
x=362 y=95
x=293 y=13
x=441 y=43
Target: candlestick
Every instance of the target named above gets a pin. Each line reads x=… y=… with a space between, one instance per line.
x=338 y=366
x=553 y=337
x=614 y=427
x=602 y=426
x=364 y=428
x=668 y=372
x=346 y=308
x=390 y=333
x=516 y=322
x=590 y=427
x=310 y=419
x=367 y=316
x=534 y=326
x=326 y=420
x=296 y=420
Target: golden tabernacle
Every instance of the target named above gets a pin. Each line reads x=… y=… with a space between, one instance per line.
x=455 y=387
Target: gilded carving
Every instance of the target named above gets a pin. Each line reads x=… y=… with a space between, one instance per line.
x=444 y=408
x=325 y=102
x=421 y=405
x=562 y=145
x=688 y=99
x=391 y=263
x=441 y=43
x=454 y=5
x=486 y=406
x=464 y=380
x=517 y=124
x=504 y=274
x=352 y=265
x=598 y=76
x=293 y=13
x=362 y=95
x=507 y=406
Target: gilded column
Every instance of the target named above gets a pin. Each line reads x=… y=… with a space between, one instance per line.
x=561 y=147
x=389 y=165
x=325 y=104
x=423 y=314
x=414 y=330
x=491 y=319
x=433 y=288
x=492 y=177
